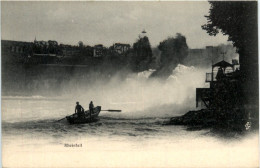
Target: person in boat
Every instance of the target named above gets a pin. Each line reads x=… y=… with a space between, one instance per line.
x=79 y=109
x=91 y=108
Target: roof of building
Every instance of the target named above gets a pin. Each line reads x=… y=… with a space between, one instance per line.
x=222 y=64
x=121 y=44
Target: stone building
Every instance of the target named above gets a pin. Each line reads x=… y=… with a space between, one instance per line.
x=121 y=48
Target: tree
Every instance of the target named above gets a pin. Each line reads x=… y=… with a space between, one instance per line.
x=142 y=54
x=80 y=43
x=238 y=20
x=173 y=51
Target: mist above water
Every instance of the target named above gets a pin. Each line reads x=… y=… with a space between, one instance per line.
x=139 y=96
x=30 y=126
x=136 y=95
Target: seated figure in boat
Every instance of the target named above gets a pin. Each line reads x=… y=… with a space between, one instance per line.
x=79 y=109
x=91 y=107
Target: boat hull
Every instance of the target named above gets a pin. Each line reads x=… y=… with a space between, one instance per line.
x=84 y=117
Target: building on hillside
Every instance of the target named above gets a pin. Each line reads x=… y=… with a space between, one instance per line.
x=121 y=48
x=98 y=50
x=37 y=52
x=15 y=47
x=205 y=57
x=69 y=51
x=15 y=51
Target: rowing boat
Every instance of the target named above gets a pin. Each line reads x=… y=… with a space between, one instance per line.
x=84 y=117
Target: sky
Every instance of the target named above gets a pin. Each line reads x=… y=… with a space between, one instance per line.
x=106 y=22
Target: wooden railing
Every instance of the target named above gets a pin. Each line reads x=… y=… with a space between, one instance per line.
x=208 y=77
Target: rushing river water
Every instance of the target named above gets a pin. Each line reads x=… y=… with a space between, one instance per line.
x=136 y=137
x=33 y=137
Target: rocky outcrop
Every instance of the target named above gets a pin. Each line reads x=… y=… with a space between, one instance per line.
x=221 y=122
x=194 y=118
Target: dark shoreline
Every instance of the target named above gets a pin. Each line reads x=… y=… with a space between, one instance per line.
x=206 y=119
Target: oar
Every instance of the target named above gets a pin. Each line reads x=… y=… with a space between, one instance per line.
x=60 y=119
x=112 y=110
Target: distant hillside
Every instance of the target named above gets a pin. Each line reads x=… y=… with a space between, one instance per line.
x=204 y=57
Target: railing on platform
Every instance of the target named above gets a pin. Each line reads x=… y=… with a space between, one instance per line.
x=208 y=77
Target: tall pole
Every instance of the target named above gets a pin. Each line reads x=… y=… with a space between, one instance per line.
x=212 y=63
x=223 y=55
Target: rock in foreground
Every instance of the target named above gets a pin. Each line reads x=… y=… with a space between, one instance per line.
x=194 y=118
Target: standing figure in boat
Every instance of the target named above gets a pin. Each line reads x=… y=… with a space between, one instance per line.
x=91 y=107
x=79 y=109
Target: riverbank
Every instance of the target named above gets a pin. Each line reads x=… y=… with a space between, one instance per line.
x=227 y=126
